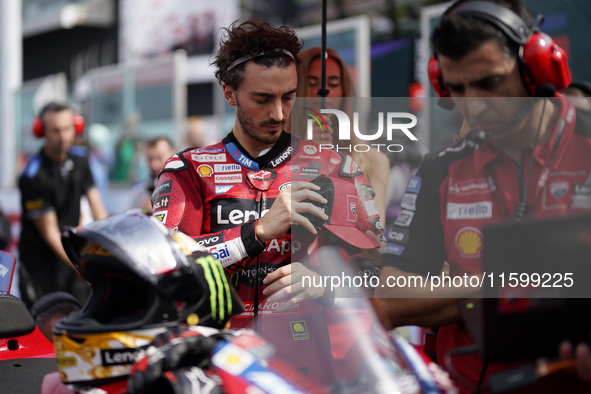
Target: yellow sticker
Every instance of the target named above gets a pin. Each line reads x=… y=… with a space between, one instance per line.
x=299 y=330
x=97 y=250
x=32 y=205
x=63 y=362
x=193 y=319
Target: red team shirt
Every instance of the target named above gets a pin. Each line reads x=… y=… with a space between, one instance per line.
x=470 y=185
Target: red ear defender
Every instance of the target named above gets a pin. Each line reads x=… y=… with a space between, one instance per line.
x=436 y=78
x=78 y=126
x=38 y=128
x=545 y=63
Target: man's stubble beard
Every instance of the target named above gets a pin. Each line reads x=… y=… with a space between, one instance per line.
x=248 y=126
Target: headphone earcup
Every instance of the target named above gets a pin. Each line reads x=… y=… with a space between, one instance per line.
x=38 y=128
x=79 y=124
x=436 y=78
x=545 y=63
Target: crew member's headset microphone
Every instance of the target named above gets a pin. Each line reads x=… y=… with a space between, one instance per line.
x=479 y=136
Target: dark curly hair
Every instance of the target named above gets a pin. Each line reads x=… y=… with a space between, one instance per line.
x=249 y=39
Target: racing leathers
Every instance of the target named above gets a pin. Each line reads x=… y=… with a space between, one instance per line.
x=215 y=194
x=463 y=188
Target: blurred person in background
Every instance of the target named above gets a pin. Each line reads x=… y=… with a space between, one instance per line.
x=374 y=164
x=158 y=150
x=51 y=186
x=127 y=151
x=95 y=141
x=47 y=310
x=101 y=155
x=196 y=132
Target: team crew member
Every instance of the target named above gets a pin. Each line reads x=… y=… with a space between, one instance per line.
x=373 y=163
x=484 y=177
x=51 y=185
x=240 y=197
x=158 y=150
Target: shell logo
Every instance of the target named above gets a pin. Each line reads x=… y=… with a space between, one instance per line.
x=205 y=170
x=469 y=242
x=233 y=359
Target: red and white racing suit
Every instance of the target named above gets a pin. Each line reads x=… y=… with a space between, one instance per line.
x=214 y=194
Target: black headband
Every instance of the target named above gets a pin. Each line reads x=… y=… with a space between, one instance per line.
x=499 y=16
x=243 y=59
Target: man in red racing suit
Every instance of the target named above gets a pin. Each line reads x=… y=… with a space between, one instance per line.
x=218 y=202
x=239 y=197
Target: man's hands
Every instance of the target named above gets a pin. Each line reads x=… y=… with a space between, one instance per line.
x=582 y=356
x=287 y=210
x=286 y=283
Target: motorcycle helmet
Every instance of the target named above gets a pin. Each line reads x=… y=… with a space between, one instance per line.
x=145 y=279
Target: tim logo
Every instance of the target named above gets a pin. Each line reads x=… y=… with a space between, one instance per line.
x=388 y=123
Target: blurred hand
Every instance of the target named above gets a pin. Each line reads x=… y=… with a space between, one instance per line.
x=285 y=283
x=582 y=356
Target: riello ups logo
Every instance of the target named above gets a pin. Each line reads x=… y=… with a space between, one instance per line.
x=388 y=123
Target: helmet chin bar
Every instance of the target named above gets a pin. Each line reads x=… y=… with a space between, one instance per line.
x=145 y=280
